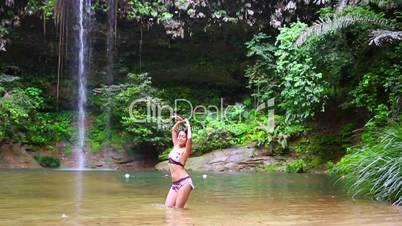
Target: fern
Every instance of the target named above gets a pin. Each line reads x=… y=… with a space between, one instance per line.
x=385 y=4
x=378 y=37
x=331 y=25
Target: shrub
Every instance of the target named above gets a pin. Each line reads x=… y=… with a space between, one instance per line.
x=48 y=127
x=214 y=136
x=269 y=168
x=296 y=166
x=164 y=155
x=48 y=161
x=119 y=98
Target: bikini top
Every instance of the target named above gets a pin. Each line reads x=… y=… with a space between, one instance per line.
x=174 y=156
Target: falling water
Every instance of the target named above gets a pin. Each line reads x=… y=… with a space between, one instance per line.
x=82 y=72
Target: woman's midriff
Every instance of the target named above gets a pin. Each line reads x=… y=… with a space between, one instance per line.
x=177 y=172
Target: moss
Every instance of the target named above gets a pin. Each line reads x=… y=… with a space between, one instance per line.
x=269 y=168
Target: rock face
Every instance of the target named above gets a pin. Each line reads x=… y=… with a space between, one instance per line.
x=109 y=158
x=231 y=159
x=16 y=156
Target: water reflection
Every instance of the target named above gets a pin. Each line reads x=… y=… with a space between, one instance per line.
x=78 y=196
x=178 y=217
x=73 y=216
x=71 y=198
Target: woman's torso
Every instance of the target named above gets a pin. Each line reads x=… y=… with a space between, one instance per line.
x=176 y=171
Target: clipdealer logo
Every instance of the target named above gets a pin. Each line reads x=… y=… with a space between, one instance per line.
x=155 y=111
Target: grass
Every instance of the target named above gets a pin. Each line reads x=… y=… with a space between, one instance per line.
x=375 y=169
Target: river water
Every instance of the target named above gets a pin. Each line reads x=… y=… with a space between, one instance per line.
x=45 y=197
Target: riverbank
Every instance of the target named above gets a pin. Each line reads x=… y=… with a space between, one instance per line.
x=241 y=159
x=18 y=156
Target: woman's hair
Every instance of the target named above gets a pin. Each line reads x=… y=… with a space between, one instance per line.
x=182 y=130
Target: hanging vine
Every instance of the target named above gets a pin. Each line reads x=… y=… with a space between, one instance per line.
x=61 y=10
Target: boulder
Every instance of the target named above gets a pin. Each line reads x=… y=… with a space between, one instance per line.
x=231 y=159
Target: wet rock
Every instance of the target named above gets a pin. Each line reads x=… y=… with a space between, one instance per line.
x=231 y=166
x=219 y=160
x=16 y=156
x=219 y=168
x=263 y=152
x=230 y=159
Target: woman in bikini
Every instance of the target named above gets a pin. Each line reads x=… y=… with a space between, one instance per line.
x=182 y=184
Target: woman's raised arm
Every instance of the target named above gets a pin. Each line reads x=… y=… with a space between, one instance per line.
x=189 y=142
x=174 y=131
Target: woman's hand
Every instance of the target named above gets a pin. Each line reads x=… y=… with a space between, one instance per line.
x=177 y=118
x=189 y=142
x=189 y=132
x=187 y=123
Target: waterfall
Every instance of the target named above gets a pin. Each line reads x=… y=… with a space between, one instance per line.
x=82 y=48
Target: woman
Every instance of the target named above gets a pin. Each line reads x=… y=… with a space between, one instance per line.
x=182 y=184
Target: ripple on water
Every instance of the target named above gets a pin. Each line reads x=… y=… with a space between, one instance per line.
x=107 y=198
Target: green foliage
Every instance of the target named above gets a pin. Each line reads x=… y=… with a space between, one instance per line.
x=16 y=110
x=302 y=89
x=126 y=111
x=346 y=134
x=21 y=120
x=214 y=136
x=286 y=73
x=375 y=169
x=260 y=47
x=48 y=161
x=49 y=127
x=142 y=9
x=393 y=81
x=164 y=155
x=379 y=119
x=317 y=147
x=269 y=168
x=330 y=165
x=297 y=166
x=101 y=134
x=341 y=19
x=261 y=77
x=204 y=96
x=251 y=127
x=366 y=92
x=46 y=8
x=262 y=81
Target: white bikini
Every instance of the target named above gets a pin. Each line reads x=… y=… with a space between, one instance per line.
x=174 y=158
